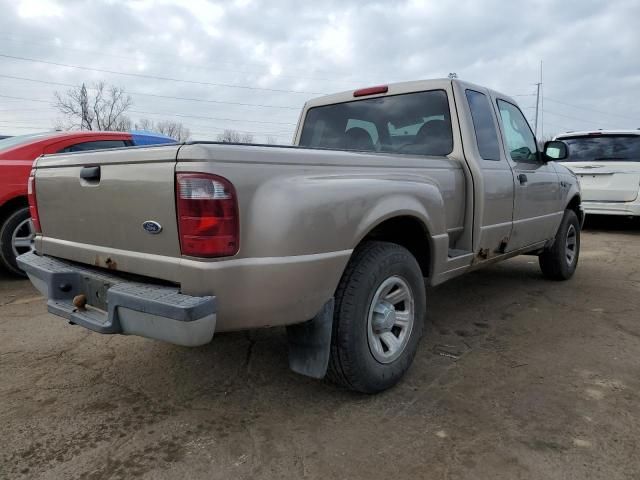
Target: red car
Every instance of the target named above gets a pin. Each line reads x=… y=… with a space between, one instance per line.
x=16 y=157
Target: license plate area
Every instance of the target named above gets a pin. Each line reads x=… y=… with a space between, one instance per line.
x=95 y=290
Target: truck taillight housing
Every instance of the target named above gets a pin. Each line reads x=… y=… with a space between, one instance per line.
x=208 y=221
x=33 y=205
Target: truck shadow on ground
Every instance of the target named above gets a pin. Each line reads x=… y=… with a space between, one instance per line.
x=253 y=366
x=612 y=224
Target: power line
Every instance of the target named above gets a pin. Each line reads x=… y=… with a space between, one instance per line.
x=583 y=120
x=591 y=109
x=27 y=128
x=26 y=99
x=168 y=114
x=173 y=59
x=48 y=82
x=562 y=127
x=173 y=64
x=210 y=127
x=182 y=115
x=253 y=132
x=13 y=110
x=153 y=77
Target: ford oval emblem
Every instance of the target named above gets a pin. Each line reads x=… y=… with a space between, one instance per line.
x=152 y=227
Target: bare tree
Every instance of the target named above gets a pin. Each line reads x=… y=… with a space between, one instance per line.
x=233 y=136
x=144 y=124
x=103 y=109
x=272 y=140
x=175 y=130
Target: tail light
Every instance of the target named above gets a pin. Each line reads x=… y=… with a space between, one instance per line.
x=33 y=205
x=207 y=215
x=363 y=92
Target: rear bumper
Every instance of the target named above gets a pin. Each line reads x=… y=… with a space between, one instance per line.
x=117 y=305
x=612 y=208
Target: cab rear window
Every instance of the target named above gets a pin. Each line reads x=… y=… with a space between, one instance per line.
x=414 y=123
x=603 y=148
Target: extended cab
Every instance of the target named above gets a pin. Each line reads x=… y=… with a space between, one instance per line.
x=387 y=189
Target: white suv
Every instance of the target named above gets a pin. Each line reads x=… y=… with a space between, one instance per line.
x=607 y=163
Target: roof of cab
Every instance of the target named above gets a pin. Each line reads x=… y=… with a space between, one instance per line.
x=393 y=89
x=398 y=89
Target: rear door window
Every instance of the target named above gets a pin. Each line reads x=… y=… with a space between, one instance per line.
x=603 y=148
x=482 y=116
x=414 y=123
x=95 y=145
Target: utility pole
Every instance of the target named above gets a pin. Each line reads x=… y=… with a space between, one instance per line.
x=539 y=102
x=535 y=127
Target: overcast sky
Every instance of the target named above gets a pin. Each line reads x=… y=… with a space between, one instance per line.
x=285 y=51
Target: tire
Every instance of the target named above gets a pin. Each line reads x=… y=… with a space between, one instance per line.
x=361 y=328
x=14 y=223
x=559 y=262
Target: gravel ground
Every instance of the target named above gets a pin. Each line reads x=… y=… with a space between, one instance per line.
x=519 y=377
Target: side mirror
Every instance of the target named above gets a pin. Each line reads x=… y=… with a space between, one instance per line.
x=555 y=150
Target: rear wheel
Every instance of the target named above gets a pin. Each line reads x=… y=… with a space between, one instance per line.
x=16 y=238
x=560 y=261
x=378 y=318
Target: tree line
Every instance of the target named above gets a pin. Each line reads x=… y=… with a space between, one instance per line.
x=106 y=107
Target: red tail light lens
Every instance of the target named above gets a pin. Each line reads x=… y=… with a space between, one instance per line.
x=207 y=215
x=33 y=205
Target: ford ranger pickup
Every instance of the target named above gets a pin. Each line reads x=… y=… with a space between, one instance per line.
x=386 y=190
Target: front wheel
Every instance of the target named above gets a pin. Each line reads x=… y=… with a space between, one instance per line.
x=16 y=238
x=378 y=318
x=559 y=262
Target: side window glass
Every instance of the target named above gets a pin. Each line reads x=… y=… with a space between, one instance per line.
x=486 y=136
x=519 y=138
x=95 y=145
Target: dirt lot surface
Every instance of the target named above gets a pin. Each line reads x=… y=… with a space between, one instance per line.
x=519 y=378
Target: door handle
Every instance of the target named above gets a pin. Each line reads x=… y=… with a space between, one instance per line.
x=523 y=179
x=90 y=173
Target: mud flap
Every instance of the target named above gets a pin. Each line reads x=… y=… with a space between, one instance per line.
x=310 y=342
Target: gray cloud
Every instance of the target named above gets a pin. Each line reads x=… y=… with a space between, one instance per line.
x=589 y=50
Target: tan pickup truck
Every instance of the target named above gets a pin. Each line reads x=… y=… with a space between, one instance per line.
x=386 y=190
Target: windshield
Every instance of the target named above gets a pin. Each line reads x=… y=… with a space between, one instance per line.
x=12 y=142
x=603 y=148
x=414 y=123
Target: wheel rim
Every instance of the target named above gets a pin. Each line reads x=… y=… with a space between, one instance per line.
x=22 y=237
x=390 y=319
x=571 y=245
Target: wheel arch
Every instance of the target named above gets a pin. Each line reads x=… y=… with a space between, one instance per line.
x=10 y=206
x=574 y=204
x=409 y=232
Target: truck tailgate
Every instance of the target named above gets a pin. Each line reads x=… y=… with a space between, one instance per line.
x=129 y=187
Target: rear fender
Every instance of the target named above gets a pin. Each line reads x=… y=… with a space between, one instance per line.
x=333 y=214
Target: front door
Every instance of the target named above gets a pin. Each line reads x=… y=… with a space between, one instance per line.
x=537 y=210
